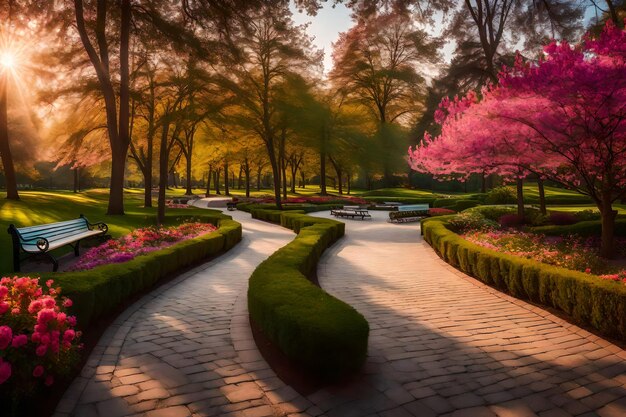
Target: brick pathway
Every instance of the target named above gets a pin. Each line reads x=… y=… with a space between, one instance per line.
x=441 y=343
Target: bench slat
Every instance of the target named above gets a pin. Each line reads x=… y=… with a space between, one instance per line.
x=62 y=242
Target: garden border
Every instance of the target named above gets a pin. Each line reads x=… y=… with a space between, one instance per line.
x=587 y=300
x=98 y=292
x=320 y=333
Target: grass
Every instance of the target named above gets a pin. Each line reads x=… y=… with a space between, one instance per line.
x=38 y=207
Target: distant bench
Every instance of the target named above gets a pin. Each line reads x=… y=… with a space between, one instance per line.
x=43 y=238
x=351 y=211
x=409 y=213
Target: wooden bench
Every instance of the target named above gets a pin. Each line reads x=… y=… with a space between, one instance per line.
x=352 y=213
x=413 y=213
x=43 y=238
x=231 y=206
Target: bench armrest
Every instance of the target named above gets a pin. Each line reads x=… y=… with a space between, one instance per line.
x=100 y=225
x=41 y=242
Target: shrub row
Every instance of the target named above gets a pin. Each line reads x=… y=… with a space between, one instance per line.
x=321 y=334
x=587 y=299
x=403 y=200
x=584 y=229
x=305 y=208
x=99 y=291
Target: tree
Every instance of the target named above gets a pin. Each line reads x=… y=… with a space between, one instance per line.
x=263 y=52
x=376 y=64
x=562 y=117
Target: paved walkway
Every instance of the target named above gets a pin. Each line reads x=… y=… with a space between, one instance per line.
x=440 y=344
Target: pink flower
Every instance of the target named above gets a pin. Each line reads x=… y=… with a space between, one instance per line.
x=4 y=307
x=49 y=283
x=19 y=340
x=5 y=336
x=588 y=271
x=49 y=380
x=46 y=315
x=5 y=371
x=67 y=303
x=72 y=320
x=41 y=350
x=69 y=335
x=4 y=290
x=35 y=306
x=38 y=371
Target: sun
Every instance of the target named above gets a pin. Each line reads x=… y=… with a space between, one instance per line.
x=7 y=60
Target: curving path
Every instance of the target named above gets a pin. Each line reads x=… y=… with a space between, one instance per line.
x=440 y=344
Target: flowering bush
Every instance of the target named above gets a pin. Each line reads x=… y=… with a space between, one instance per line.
x=471 y=221
x=433 y=212
x=562 y=219
x=571 y=252
x=511 y=220
x=171 y=204
x=139 y=242
x=37 y=336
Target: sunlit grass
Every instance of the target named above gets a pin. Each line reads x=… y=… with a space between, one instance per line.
x=38 y=207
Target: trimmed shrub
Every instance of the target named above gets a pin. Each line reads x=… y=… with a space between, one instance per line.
x=501 y=195
x=322 y=334
x=440 y=212
x=493 y=212
x=470 y=221
x=588 y=300
x=560 y=218
x=461 y=205
x=511 y=220
x=587 y=215
x=588 y=228
x=98 y=292
x=404 y=200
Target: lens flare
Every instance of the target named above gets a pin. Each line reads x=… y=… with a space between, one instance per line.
x=7 y=60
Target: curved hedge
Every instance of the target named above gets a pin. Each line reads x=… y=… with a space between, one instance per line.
x=99 y=291
x=585 y=228
x=588 y=300
x=320 y=333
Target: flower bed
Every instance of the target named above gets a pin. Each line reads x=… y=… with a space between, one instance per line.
x=38 y=340
x=139 y=242
x=571 y=252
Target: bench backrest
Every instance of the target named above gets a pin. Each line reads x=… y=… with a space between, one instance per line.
x=52 y=231
x=414 y=207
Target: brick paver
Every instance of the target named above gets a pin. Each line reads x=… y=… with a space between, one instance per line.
x=441 y=343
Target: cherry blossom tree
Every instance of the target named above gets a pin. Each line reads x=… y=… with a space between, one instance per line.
x=563 y=117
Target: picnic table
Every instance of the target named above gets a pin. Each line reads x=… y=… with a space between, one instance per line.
x=352 y=212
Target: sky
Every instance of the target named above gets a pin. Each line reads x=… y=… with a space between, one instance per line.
x=326 y=27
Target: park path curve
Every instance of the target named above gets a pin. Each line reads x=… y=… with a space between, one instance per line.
x=441 y=343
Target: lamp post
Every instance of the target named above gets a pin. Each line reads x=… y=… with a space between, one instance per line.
x=7 y=63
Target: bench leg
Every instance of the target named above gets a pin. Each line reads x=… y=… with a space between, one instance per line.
x=55 y=263
x=76 y=248
x=16 y=260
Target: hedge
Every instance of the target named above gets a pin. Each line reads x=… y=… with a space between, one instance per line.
x=98 y=292
x=321 y=334
x=305 y=208
x=402 y=200
x=584 y=229
x=586 y=299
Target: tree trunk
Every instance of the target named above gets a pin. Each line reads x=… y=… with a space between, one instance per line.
x=349 y=183
x=613 y=13
x=76 y=180
x=259 y=172
x=147 y=186
x=208 y=182
x=323 y=173
x=607 y=248
x=163 y=173
x=293 y=181
x=483 y=183
x=542 y=196
x=5 y=149
x=240 y=178
x=302 y=176
x=247 y=173
x=226 y=178
x=520 y=197
x=188 y=174
x=116 y=196
x=216 y=180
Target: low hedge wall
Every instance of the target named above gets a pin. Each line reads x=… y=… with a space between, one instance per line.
x=588 y=300
x=321 y=334
x=99 y=291
x=584 y=229
x=305 y=208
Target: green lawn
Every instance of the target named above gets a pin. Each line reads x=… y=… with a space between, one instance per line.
x=37 y=207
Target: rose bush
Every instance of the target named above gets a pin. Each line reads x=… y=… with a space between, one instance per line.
x=38 y=340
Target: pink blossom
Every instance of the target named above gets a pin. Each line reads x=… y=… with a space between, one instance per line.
x=19 y=340
x=3 y=291
x=67 y=303
x=69 y=335
x=38 y=371
x=49 y=283
x=4 y=307
x=49 y=380
x=41 y=350
x=5 y=336
x=5 y=371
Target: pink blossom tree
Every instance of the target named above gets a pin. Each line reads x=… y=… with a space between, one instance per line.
x=563 y=117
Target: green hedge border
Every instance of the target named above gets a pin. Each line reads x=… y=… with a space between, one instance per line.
x=587 y=300
x=321 y=334
x=98 y=292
